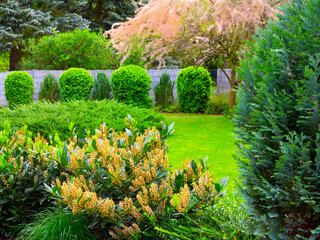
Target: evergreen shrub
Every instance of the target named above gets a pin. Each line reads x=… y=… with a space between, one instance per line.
x=277 y=122
x=77 y=49
x=101 y=87
x=131 y=85
x=18 y=88
x=163 y=92
x=49 y=119
x=75 y=84
x=217 y=104
x=49 y=89
x=193 y=87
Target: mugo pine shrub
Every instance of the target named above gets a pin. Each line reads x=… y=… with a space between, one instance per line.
x=163 y=92
x=193 y=87
x=18 y=88
x=101 y=87
x=75 y=84
x=49 y=89
x=131 y=85
x=277 y=122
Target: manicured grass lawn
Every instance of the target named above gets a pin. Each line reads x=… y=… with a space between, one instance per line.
x=204 y=135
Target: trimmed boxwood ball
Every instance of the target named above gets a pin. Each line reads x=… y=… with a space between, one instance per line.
x=18 y=88
x=193 y=88
x=75 y=84
x=131 y=85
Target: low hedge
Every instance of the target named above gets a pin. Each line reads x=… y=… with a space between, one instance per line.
x=48 y=118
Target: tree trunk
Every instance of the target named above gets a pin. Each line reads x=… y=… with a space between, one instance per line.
x=233 y=86
x=15 y=58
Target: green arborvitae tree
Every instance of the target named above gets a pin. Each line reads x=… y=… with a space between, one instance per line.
x=277 y=123
x=23 y=19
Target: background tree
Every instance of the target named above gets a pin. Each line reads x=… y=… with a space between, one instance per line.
x=198 y=31
x=104 y=13
x=21 y=20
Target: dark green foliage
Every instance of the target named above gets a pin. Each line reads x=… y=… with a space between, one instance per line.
x=22 y=192
x=193 y=86
x=49 y=89
x=78 y=49
x=131 y=85
x=277 y=122
x=75 y=84
x=217 y=104
x=104 y=13
x=170 y=109
x=163 y=92
x=18 y=88
x=227 y=219
x=49 y=119
x=24 y=19
x=57 y=224
x=101 y=87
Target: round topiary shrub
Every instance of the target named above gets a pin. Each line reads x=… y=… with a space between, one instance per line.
x=278 y=125
x=131 y=85
x=75 y=84
x=193 y=88
x=18 y=88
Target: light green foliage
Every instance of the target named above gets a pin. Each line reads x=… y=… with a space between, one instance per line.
x=193 y=87
x=277 y=125
x=163 y=92
x=18 y=88
x=48 y=118
x=75 y=84
x=49 y=89
x=101 y=87
x=131 y=85
x=225 y=220
x=78 y=49
x=217 y=104
x=57 y=224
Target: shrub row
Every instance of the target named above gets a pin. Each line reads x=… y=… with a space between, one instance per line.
x=130 y=84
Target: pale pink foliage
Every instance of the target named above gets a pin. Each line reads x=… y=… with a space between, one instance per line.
x=196 y=29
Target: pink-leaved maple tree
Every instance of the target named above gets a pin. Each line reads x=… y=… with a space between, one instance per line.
x=195 y=30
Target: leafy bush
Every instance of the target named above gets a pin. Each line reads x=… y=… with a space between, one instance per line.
x=75 y=84
x=101 y=87
x=56 y=224
x=78 y=49
x=122 y=180
x=163 y=92
x=48 y=118
x=49 y=89
x=170 y=109
x=227 y=219
x=131 y=85
x=217 y=104
x=25 y=165
x=193 y=87
x=132 y=190
x=277 y=122
x=18 y=88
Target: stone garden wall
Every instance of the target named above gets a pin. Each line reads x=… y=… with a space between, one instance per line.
x=39 y=75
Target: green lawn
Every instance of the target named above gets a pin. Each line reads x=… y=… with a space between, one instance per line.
x=204 y=135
